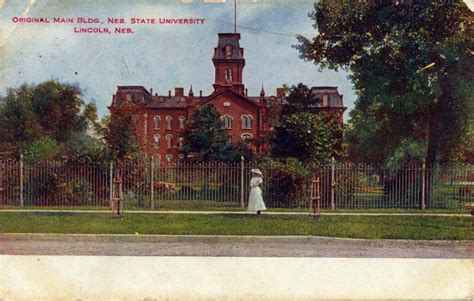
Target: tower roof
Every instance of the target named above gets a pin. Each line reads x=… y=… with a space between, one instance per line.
x=233 y=50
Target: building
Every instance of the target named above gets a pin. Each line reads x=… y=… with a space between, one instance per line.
x=161 y=119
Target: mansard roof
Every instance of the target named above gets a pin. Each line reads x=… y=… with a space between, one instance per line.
x=168 y=102
x=228 y=39
x=334 y=98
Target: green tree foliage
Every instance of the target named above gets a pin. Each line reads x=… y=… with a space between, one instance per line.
x=305 y=136
x=40 y=121
x=207 y=140
x=298 y=99
x=301 y=133
x=120 y=135
x=411 y=65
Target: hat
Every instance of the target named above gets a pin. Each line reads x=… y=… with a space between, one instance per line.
x=256 y=170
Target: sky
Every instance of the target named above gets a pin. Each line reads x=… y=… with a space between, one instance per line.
x=161 y=57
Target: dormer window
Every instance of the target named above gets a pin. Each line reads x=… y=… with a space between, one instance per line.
x=325 y=100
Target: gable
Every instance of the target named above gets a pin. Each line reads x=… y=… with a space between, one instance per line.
x=228 y=101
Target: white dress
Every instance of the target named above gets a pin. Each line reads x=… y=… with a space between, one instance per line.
x=255 y=199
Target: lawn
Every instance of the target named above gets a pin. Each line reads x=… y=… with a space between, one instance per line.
x=370 y=227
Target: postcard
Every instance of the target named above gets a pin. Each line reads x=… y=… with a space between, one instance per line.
x=221 y=150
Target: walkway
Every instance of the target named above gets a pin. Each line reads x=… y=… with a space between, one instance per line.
x=234 y=246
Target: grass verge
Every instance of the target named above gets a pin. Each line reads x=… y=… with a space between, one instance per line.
x=368 y=227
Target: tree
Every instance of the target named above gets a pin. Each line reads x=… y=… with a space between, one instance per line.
x=207 y=140
x=120 y=135
x=298 y=98
x=411 y=65
x=39 y=120
x=300 y=132
x=305 y=136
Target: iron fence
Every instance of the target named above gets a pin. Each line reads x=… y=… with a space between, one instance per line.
x=154 y=185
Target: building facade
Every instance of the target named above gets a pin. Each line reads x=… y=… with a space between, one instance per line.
x=161 y=119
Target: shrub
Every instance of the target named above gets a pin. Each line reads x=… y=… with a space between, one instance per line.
x=287 y=183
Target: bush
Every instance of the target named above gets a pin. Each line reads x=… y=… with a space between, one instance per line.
x=287 y=184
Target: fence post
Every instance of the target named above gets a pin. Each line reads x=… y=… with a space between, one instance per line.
x=111 y=180
x=152 y=200
x=21 y=181
x=423 y=186
x=333 y=171
x=242 y=163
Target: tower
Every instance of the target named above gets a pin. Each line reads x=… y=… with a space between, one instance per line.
x=229 y=63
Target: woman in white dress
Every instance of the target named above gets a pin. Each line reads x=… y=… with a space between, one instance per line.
x=255 y=199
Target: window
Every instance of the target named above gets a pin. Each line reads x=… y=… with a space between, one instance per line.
x=227 y=121
x=247 y=121
x=169 y=157
x=180 y=142
x=157 y=141
x=169 y=141
x=325 y=100
x=169 y=122
x=229 y=140
x=157 y=120
x=228 y=75
x=181 y=122
x=246 y=136
x=228 y=50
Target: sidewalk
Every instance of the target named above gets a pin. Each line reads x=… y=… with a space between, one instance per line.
x=221 y=245
x=242 y=212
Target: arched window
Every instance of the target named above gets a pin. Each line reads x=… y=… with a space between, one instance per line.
x=169 y=122
x=228 y=50
x=246 y=137
x=169 y=141
x=181 y=122
x=227 y=120
x=169 y=157
x=180 y=142
x=228 y=75
x=157 y=139
x=157 y=120
x=247 y=121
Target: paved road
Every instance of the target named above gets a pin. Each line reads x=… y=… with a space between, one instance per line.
x=235 y=246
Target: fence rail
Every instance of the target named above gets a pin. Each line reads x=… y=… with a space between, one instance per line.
x=210 y=185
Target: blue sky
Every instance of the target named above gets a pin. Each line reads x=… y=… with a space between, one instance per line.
x=157 y=56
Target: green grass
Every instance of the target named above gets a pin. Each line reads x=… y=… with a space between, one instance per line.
x=369 y=227
x=228 y=206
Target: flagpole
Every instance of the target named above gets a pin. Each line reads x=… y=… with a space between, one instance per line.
x=235 y=16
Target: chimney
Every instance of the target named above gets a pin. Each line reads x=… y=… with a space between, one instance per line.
x=200 y=93
x=169 y=93
x=151 y=91
x=178 y=91
x=246 y=92
x=280 y=92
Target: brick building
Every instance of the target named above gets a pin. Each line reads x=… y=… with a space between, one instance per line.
x=161 y=119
